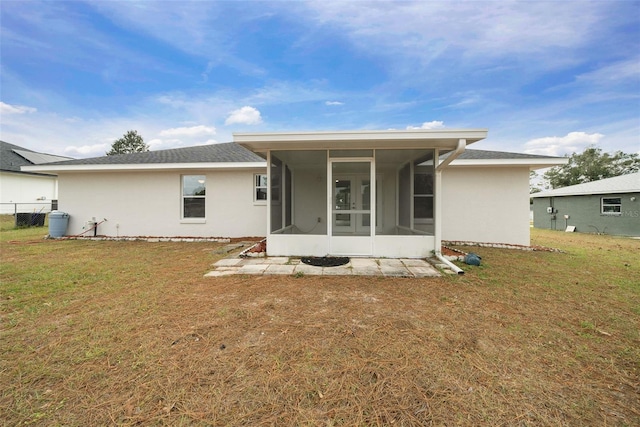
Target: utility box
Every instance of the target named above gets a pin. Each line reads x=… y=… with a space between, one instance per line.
x=58 y=222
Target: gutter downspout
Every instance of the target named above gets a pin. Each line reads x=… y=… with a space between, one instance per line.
x=462 y=144
x=448 y=263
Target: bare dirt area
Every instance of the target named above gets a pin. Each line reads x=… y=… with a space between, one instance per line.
x=131 y=333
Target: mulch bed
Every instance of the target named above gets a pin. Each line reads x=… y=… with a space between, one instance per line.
x=259 y=247
x=326 y=261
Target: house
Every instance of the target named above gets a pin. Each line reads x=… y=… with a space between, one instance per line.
x=358 y=193
x=24 y=191
x=195 y=191
x=610 y=206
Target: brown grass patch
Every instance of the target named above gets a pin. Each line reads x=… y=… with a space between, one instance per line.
x=130 y=333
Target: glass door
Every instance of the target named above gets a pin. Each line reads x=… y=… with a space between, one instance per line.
x=351 y=198
x=351 y=207
x=345 y=202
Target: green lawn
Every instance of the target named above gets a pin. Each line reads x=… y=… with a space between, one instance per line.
x=131 y=333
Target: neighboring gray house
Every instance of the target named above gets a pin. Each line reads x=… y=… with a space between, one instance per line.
x=23 y=191
x=608 y=206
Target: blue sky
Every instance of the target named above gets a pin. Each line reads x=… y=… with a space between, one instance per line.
x=543 y=77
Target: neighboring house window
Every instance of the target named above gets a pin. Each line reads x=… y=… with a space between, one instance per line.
x=260 y=188
x=611 y=206
x=193 y=196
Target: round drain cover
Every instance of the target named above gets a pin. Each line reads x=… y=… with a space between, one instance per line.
x=325 y=261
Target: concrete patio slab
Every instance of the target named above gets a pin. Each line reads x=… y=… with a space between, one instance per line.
x=280 y=269
x=255 y=261
x=278 y=260
x=364 y=263
x=388 y=271
x=337 y=271
x=367 y=271
x=424 y=271
x=227 y=262
x=413 y=262
x=388 y=267
x=253 y=269
x=391 y=262
x=307 y=269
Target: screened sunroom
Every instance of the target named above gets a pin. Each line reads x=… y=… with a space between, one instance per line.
x=355 y=193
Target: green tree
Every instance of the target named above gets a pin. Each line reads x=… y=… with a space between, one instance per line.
x=131 y=142
x=535 y=182
x=592 y=165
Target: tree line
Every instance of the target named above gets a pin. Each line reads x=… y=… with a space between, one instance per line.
x=591 y=165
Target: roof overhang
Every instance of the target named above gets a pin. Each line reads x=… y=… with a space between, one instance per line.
x=558 y=193
x=24 y=173
x=144 y=167
x=390 y=139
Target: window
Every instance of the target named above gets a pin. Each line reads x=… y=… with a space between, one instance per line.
x=611 y=206
x=260 y=187
x=193 y=196
x=422 y=193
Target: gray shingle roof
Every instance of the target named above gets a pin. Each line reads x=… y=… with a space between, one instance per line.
x=472 y=154
x=12 y=157
x=231 y=152
x=213 y=153
x=629 y=183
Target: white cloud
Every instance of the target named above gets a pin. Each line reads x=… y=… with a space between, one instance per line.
x=614 y=73
x=425 y=28
x=82 y=151
x=245 y=115
x=436 y=124
x=155 y=144
x=190 y=131
x=334 y=103
x=573 y=142
x=15 y=109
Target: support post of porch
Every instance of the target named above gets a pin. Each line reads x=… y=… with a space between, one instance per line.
x=269 y=191
x=437 y=221
x=437 y=208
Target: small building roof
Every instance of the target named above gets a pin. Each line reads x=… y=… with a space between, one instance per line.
x=13 y=157
x=629 y=183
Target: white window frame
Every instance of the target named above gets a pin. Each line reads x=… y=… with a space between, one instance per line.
x=422 y=220
x=256 y=187
x=603 y=204
x=192 y=220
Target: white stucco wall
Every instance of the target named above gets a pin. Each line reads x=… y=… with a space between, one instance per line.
x=29 y=191
x=149 y=204
x=486 y=204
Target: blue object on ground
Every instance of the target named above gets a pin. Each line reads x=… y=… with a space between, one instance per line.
x=472 y=259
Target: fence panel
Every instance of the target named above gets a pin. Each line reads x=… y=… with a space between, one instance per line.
x=35 y=207
x=29 y=214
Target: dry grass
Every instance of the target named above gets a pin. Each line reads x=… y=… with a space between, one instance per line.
x=130 y=333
